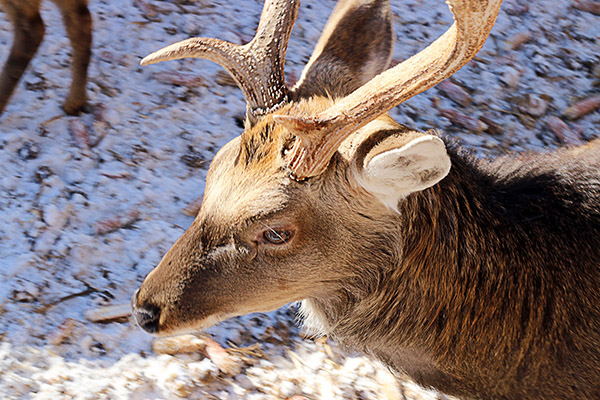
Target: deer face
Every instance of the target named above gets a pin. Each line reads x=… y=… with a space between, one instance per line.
x=250 y=248
x=262 y=239
x=308 y=193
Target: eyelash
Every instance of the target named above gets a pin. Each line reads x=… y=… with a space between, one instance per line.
x=273 y=236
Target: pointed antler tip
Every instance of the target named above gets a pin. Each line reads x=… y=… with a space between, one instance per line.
x=149 y=59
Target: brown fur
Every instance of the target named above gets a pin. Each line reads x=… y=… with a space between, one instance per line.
x=485 y=285
x=29 y=32
x=496 y=294
x=372 y=36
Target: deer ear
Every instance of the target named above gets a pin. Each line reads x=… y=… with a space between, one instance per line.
x=356 y=44
x=393 y=168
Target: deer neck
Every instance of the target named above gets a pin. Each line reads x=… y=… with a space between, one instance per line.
x=451 y=282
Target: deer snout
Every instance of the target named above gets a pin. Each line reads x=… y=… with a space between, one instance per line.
x=146 y=315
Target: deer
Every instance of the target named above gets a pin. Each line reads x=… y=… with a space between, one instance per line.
x=28 y=35
x=478 y=278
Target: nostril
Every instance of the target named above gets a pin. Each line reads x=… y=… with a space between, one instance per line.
x=147 y=317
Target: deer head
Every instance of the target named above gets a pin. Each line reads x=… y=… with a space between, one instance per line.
x=304 y=202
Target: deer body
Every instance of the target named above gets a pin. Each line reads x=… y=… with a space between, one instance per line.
x=29 y=32
x=480 y=279
x=480 y=294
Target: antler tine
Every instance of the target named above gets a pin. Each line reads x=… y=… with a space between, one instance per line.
x=318 y=138
x=257 y=67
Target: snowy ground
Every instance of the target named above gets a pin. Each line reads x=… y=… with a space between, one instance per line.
x=150 y=143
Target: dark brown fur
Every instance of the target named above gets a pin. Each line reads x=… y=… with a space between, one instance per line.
x=497 y=292
x=333 y=70
x=29 y=33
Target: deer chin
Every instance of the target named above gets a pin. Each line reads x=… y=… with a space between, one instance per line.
x=207 y=322
x=194 y=327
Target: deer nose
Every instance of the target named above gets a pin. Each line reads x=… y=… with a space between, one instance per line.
x=146 y=316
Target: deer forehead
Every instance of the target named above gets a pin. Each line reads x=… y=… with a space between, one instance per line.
x=249 y=175
x=238 y=190
x=235 y=201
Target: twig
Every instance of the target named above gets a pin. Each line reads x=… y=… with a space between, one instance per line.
x=47 y=306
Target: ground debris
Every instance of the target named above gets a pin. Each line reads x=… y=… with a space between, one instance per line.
x=29 y=151
x=80 y=134
x=151 y=10
x=117 y=222
x=112 y=313
x=224 y=360
x=516 y=9
x=582 y=107
x=179 y=78
x=63 y=332
x=516 y=41
x=455 y=92
x=463 y=120
x=532 y=104
x=562 y=131
x=590 y=6
x=181 y=344
x=229 y=360
x=193 y=208
x=46 y=306
x=224 y=79
x=494 y=127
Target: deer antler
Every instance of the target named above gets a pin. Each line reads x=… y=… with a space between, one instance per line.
x=318 y=138
x=257 y=67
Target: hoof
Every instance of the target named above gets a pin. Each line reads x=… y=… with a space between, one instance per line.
x=72 y=108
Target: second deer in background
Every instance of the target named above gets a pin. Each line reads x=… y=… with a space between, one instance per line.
x=28 y=35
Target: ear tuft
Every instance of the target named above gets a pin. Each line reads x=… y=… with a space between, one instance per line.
x=393 y=169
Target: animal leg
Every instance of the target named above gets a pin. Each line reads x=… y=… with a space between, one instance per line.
x=78 y=24
x=28 y=34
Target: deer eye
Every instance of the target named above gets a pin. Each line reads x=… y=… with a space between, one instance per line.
x=277 y=237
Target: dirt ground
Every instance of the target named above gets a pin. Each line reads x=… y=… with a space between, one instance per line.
x=89 y=204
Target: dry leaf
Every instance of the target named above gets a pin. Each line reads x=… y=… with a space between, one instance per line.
x=179 y=344
x=463 y=120
x=117 y=222
x=588 y=6
x=80 y=134
x=582 y=107
x=64 y=331
x=516 y=41
x=562 y=131
x=108 y=313
x=455 y=92
x=179 y=78
x=221 y=358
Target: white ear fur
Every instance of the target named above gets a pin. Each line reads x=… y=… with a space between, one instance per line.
x=393 y=172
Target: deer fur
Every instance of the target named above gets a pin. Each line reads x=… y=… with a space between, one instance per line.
x=478 y=278
x=485 y=293
x=29 y=33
